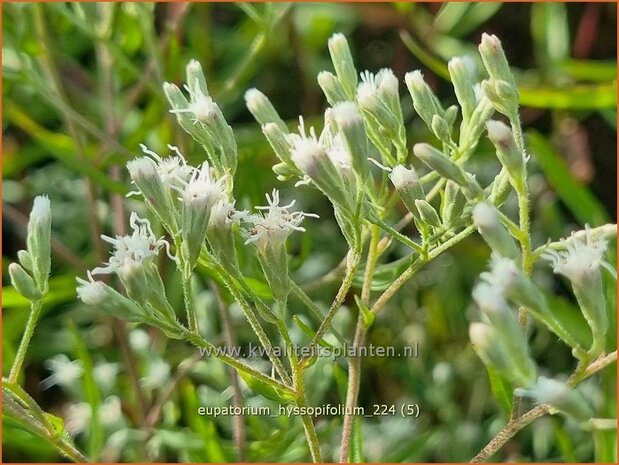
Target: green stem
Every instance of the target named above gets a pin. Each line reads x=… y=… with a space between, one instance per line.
x=351 y=269
x=192 y=319
x=33 y=318
x=198 y=341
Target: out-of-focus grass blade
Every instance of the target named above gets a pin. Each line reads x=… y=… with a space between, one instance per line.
x=565 y=443
x=60 y=147
x=551 y=34
x=460 y=18
x=417 y=49
x=610 y=116
x=577 y=97
x=589 y=70
x=581 y=202
x=449 y=15
x=605 y=446
x=92 y=395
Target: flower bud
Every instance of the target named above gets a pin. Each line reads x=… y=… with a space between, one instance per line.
x=144 y=175
x=461 y=70
x=428 y=213
x=507 y=152
x=441 y=129
x=23 y=283
x=503 y=320
x=472 y=129
x=494 y=59
x=489 y=225
x=25 y=259
x=195 y=77
x=262 y=109
x=350 y=125
x=343 y=64
x=425 y=102
x=441 y=163
x=39 y=240
x=99 y=294
x=278 y=141
x=452 y=204
x=560 y=396
x=408 y=186
x=507 y=102
x=490 y=348
x=331 y=87
x=220 y=236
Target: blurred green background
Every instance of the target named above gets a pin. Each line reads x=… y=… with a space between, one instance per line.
x=82 y=89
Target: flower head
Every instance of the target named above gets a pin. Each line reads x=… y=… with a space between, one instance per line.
x=135 y=249
x=202 y=107
x=503 y=274
x=582 y=256
x=172 y=170
x=275 y=225
x=202 y=188
x=372 y=85
x=91 y=292
x=65 y=372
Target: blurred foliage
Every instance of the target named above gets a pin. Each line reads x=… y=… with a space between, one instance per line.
x=81 y=89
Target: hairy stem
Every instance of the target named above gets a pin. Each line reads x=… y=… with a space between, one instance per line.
x=33 y=318
x=516 y=424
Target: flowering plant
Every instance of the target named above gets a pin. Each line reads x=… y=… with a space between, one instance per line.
x=361 y=162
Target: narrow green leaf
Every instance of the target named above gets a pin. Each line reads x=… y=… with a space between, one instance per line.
x=576 y=97
x=501 y=391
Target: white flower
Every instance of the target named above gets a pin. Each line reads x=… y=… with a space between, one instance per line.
x=503 y=273
x=402 y=177
x=546 y=391
x=64 y=371
x=583 y=255
x=91 y=292
x=273 y=227
x=136 y=249
x=201 y=106
x=110 y=412
x=157 y=374
x=173 y=171
x=223 y=214
x=202 y=188
x=308 y=149
x=77 y=417
x=139 y=340
x=105 y=374
x=372 y=85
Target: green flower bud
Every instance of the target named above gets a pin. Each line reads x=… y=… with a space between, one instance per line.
x=489 y=225
x=285 y=172
x=262 y=109
x=350 y=125
x=343 y=64
x=472 y=129
x=560 y=396
x=462 y=72
x=504 y=322
x=331 y=87
x=195 y=77
x=506 y=105
x=494 y=59
x=100 y=295
x=428 y=213
x=25 y=259
x=490 y=348
x=408 y=186
x=23 y=283
x=144 y=175
x=220 y=236
x=452 y=204
x=441 y=163
x=39 y=240
x=507 y=152
x=441 y=129
x=425 y=102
